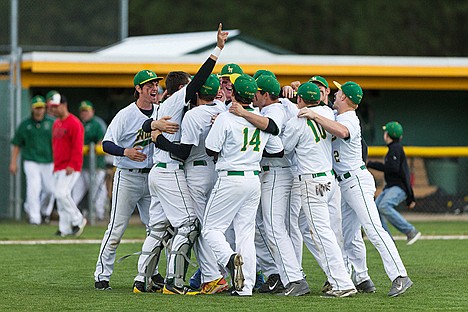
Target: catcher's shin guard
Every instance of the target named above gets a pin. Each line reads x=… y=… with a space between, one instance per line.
x=158 y=238
x=182 y=244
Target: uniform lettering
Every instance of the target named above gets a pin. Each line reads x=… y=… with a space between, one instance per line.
x=254 y=140
x=317 y=129
x=143 y=138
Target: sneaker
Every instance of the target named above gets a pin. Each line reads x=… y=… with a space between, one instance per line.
x=214 y=287
x=140 y=287
x=77 y=230
x=400 y=285
x=173 y=290
x=260 y=280
x=367 y=287
x=326 y=287
x=295 y=289
x=272 y=285
x=157 y=283
x=412 y=237
x=195 y=280
x=339 y=293
x=102 y=285
x=235 y=268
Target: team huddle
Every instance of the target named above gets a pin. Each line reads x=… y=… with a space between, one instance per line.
x=227 y=165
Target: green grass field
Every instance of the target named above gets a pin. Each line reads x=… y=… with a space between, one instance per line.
x=57 y=277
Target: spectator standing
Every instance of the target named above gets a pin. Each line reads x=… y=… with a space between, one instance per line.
x=33 y=139
x=67 y=147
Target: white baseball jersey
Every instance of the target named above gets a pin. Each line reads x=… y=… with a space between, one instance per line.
x=347 y=153
x=279 y=114
x=310 y=141
x=125 y=130
x=173 y=106
x=195 y=128
x=232 y=135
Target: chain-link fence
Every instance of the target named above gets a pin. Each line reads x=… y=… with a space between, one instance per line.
x=440 y=184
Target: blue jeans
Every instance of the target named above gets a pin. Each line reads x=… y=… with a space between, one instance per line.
x=386 y=203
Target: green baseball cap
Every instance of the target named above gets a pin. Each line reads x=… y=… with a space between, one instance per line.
x=230 y=69
x=309 y=91
x=50 y=94
x=244 y=84
x=211 y=85
x=38 y=102
x=351 y=90
x=86 y=105
x=268 y=84
x=394 y=129
x=321 y=80
x=264 y=72
x=145 y=75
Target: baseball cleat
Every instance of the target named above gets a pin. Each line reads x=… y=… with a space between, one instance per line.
x=102 y=285
x=399 y=286
x=157 y=282
x=295 y=289
x=142 y=287
x=272 y=285
x=214 y=287
x=235 y=267
x=412 y=237
x=326 y=287
x=339 y=293
x=367 y=287
x=77 y=230
x=173 y=290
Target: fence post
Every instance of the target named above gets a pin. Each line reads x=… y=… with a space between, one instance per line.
x=92 y=190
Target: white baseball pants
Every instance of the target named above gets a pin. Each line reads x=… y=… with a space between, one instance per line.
x=69 y=214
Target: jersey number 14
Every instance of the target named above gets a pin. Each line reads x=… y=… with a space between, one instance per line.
x=254 y=140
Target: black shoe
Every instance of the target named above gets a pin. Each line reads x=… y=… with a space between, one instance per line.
x=45 y=219
x=366 y=287
x=326 y=287
x=102 y=285
x=272 y=285
x=58 y=233
x=77 y=230
x=157 y=282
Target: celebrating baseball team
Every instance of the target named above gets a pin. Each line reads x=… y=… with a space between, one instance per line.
x=244 y=172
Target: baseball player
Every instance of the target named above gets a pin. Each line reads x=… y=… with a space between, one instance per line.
x=238 y=146
x=131 y=148
x=397 y=184
x=312 y=146
x=358 y=187
x=200 y=172
x=34 y=139
x=171 y=204
x=67 y=148
x=226 y=84
x=277 y=179
x=94 y=132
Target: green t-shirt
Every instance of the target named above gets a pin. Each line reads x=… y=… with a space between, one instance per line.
x=94 y=132
x=35 y=139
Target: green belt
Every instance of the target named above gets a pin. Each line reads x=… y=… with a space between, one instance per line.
x=240 y=173
x=200 y=163
x=347 y=175
x=319 y=174
x=164 y=165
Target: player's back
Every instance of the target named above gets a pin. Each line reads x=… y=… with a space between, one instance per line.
x=240 y=143
x=195 y=128
x=314 y=148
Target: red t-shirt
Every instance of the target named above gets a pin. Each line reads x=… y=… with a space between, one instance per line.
x=67 y=143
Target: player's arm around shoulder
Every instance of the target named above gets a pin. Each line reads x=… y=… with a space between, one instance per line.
x=334 y=127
